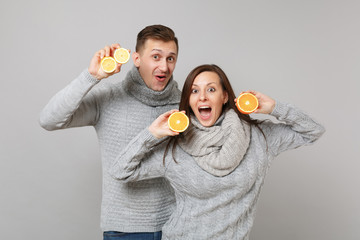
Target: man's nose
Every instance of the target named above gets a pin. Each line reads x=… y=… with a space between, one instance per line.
x=163 y=66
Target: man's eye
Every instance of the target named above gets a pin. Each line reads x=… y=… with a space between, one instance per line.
x=171 y=59
x=156 y=57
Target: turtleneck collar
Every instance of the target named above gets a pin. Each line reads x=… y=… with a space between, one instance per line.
x=135 y=85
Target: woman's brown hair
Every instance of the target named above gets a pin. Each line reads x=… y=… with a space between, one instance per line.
x=225 y=83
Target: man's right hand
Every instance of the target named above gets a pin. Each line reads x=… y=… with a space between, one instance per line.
x=95 y=69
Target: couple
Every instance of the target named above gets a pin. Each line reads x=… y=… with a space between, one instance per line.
x=214 y=170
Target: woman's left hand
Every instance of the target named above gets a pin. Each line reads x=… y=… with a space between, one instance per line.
x=266 y=103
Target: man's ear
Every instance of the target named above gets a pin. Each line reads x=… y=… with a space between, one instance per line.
x=136 y=59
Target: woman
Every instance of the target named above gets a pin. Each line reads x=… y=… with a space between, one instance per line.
x=217 y=166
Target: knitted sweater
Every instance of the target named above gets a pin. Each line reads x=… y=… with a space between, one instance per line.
x=118 y=111
x=210 y=207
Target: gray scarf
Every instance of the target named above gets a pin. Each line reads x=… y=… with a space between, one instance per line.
x=220 y=148
x=135 y=85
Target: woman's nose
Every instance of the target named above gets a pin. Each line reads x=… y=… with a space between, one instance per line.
x=203 y=96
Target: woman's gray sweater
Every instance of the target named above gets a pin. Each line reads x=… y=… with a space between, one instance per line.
x=210 y=207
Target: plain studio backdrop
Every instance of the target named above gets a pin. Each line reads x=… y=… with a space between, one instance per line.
x=302 y=52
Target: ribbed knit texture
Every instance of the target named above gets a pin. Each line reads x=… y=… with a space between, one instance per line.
x=210 y=207
x=118 y=111
x=220 y=148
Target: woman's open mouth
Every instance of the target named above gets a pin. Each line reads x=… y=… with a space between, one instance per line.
x=205 y=112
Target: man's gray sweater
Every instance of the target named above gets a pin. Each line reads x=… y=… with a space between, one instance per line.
x=118 y=111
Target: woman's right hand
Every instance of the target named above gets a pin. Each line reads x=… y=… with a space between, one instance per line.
x=160 y=128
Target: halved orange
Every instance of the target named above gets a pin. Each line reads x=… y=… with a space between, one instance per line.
x=178 y=122
x=122 y=55
x=247 y=103
x=108 y=64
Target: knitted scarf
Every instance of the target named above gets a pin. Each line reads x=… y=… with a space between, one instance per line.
x=135 y=85
x=220 y=148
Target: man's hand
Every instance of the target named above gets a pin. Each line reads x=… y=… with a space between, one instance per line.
x=95 y=68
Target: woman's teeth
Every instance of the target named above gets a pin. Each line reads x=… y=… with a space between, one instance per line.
x=205 y=111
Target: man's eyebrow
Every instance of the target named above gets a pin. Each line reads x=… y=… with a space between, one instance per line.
x=161 y=51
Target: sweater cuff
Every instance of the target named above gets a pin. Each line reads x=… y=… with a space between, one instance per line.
x=88 y=77
x=150 y=140
x=280 y=109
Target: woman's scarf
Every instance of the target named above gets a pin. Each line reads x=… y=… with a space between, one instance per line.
x=220 y=148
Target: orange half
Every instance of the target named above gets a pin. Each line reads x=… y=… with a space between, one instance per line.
x=121 y=55
x=247 y=103
x=108 y=64
x=178 y=122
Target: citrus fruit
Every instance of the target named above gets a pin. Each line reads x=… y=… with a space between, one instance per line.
x=121 y=55
x=108 y=64
x=178 y=122
x=247 y=103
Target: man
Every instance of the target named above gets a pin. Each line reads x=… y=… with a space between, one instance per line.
x=118 y=112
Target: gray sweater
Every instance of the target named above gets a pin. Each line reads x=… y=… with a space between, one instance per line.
x=210 y=207
x=118 y=111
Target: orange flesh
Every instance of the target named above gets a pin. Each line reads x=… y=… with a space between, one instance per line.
x=178 y=122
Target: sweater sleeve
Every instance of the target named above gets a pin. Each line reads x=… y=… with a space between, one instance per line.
x=72 y=106
x=140 y=160
x=294 y=130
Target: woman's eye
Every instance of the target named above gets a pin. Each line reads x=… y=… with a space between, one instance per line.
x=211 y=89
x=194 y=91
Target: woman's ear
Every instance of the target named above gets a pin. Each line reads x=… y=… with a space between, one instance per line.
x=136 y=59
x=226 y=97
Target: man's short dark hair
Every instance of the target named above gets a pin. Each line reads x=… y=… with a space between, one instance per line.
x=157 y=32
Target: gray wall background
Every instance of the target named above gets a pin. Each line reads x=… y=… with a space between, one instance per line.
x=303 y=52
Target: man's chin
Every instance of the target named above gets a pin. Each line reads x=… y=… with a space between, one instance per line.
x=159 y=87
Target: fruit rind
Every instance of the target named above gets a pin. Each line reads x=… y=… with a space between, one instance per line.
x=187 y=122
x=108 y=58
x=245 y=111
x=119 y=61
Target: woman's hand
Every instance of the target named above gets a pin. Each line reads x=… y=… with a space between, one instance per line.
x=160 y=128
x=266 y=103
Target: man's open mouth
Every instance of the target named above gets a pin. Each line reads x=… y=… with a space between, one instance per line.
x=160 y=77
